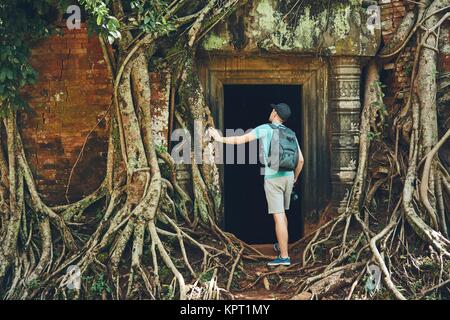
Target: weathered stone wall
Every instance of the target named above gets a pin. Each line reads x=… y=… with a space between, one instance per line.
x=305 y=27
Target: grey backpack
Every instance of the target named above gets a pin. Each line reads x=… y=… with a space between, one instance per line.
x=285 y=156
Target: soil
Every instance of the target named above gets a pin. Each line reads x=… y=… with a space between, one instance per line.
x=273 y=291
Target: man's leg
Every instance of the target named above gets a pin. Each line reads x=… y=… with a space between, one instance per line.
x=281 y=231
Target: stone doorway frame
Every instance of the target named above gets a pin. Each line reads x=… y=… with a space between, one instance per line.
x=330 y=107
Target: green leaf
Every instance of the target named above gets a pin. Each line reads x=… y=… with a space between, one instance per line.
x=113 y=24
x=116 y=34
x=99 y=20
x=10 y=75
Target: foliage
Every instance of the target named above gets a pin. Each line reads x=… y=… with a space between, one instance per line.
x=105 y=23
x=168 y=292
x=35 y=284
x=146 y=16
x=21 y=23
x=150 y=16
x=206 y=276
x=99 y=285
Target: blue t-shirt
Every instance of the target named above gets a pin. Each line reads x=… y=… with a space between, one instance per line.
x=265 y=133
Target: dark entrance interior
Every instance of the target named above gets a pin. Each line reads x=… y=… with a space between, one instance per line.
x=247 y=106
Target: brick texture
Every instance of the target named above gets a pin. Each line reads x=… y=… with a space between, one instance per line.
x=71 y=97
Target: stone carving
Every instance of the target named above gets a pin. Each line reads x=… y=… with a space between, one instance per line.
x=345 y=113
x=345 y=121
x=344 y=89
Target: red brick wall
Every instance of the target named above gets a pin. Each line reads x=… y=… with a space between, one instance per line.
x=444 y=58
x=396 y=72
x=73 y=93
x=392 y=12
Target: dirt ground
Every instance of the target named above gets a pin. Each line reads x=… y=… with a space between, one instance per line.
x=266 y=289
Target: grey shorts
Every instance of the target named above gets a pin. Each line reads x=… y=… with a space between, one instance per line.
x=278 y=193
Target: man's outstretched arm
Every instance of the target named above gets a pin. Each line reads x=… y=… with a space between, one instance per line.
x=232 y=140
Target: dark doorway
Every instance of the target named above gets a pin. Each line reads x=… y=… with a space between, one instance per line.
x=245 y=107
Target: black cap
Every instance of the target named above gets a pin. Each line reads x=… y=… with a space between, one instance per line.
x=282 y=109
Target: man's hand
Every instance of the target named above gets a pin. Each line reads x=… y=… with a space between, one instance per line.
x=231 y=140
x=215 y=134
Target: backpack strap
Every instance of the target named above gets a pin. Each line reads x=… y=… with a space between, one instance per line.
x=274 y=127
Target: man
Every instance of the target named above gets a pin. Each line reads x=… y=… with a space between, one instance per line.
x=277 y=184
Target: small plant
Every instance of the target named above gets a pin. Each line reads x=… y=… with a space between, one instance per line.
x=99 y=286
x=99 y=214
x=408 y=70
x=102 y=257
x=417 y=285
x=34 y=284
x=432 y=296
x=167 y=292
x=353 y=257
x=160 y=149
x=429 y=264
x=238 y=276
x=164 y=272
x=373 y=135
x=206 y=276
